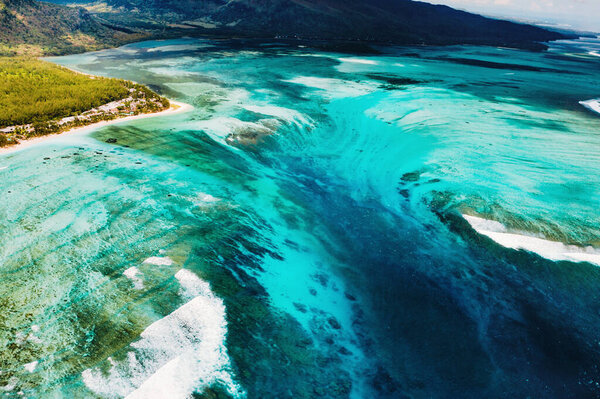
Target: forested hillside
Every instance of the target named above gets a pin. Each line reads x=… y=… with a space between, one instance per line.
x=385 y=21
x=33 y=27
x=38 y=28
x=35 y=91
x=39 y=98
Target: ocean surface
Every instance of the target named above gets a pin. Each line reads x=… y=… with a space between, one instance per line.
x=414 y=223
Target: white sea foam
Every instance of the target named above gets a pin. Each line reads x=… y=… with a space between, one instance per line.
x=31 y=337
x=176 y=355
x=594 y=53
x=132 y=274
x=11 y=384
x=3 y=167
x=334 y=88
x=287 y=115
x=593 y=105
x=552 y=250
x=166 y=71
x=207 y=199
x=162 y=62
x=358 y=61
x=159 y=261
x=218 y=128
x=31 y=366
x=124 y=49
x=226 y=99
x=192 y=285
x=221 y=127
x=481 y=224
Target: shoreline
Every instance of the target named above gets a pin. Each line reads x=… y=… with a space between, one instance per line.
x=175 y=108
x=518 y=240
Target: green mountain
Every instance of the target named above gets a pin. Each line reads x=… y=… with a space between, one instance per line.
x=387 y=21
x=37 y=28
x=33 y=27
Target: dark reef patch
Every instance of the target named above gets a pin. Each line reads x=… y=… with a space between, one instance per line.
x=392 y=82
x=500 y=65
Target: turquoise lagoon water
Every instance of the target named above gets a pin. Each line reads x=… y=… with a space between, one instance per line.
x=298 y=234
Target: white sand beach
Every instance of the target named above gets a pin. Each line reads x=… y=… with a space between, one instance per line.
x=176 y=108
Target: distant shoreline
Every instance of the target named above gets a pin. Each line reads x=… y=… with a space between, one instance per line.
x=175 y=108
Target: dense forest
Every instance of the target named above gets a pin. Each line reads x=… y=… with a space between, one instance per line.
x=36 y=91
x=39 y=98
x=29 y=27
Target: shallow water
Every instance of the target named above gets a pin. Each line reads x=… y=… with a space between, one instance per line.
x=299 y=233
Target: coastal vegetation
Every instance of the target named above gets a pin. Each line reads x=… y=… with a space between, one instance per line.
x=34 y=91
x=40 y=98
x=29 y=27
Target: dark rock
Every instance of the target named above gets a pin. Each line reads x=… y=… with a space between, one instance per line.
x=304 y=343
x=411 y=176
x=334 y=323
x=320 y=278
x=393 y=82
x=277 y=256
x=383 y=382
x=301 y=307
x=111 y=140
x=350 y=296
x=344 y=351
x=404 y=193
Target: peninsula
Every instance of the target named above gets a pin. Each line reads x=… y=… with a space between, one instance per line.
x=40 y=98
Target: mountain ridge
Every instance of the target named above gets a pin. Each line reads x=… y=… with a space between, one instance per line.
x=404 y=22
x=30 y=26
